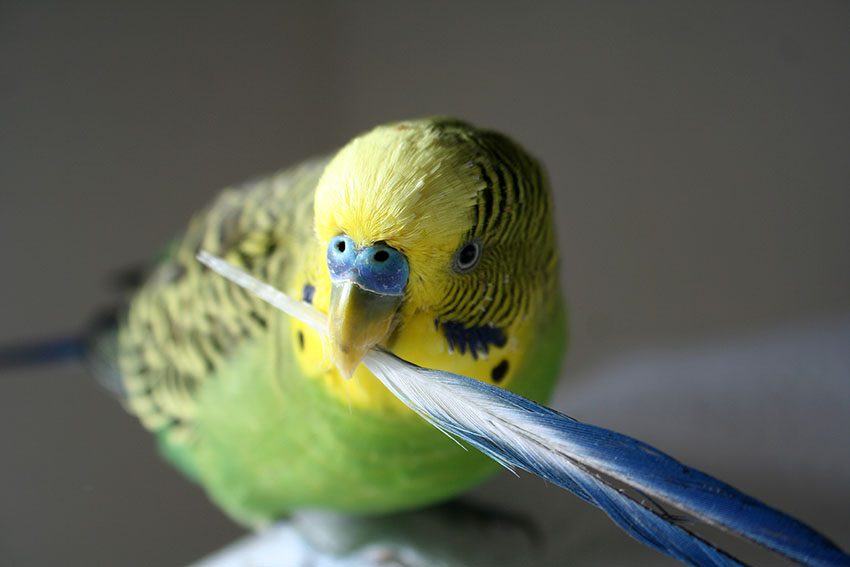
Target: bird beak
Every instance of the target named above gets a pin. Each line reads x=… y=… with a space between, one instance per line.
x=358 y=320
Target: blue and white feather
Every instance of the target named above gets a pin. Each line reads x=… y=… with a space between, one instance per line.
x=627 y=479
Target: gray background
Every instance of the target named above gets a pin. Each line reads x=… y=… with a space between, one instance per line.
x=698 y=152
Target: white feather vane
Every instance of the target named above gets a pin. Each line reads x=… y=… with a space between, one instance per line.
x=587 y=460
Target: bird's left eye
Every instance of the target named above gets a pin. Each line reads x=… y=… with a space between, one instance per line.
x=467 y=257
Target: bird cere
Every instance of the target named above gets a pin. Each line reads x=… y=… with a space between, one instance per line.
x=426 y=251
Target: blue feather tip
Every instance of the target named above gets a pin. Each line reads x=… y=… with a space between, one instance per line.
x=595 y=464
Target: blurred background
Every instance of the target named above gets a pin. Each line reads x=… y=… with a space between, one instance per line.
x=699 y=158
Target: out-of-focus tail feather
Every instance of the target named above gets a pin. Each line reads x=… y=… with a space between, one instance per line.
x=37 y=353
x=96 y=347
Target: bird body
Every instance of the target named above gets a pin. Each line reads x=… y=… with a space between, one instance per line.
x=426 y=251
x=450 y=263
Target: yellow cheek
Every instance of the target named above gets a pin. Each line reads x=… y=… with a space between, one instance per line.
x=418 y=341
x=422 y=343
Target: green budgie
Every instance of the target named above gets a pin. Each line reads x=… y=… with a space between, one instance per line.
x=454 y=230
x=423 y=255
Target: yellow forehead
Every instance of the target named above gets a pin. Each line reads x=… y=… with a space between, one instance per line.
x=403 y=184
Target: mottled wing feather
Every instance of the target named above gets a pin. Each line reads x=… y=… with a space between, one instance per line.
x=185 y=322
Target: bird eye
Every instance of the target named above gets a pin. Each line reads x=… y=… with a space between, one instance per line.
x=467 y=257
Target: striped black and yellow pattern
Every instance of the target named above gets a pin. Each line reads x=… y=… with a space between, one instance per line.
x=185 y=320
x=513 y=223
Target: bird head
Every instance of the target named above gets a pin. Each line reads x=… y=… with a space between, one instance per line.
x=406 y=212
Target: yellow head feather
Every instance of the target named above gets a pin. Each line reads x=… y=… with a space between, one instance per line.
x=429 y=188
x=403 y=184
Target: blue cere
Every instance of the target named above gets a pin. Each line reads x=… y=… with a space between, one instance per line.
x=341 y=257
x=377 y=268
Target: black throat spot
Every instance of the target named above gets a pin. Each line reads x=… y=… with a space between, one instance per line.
x=499 y=371
x=475 y=339
x=307 y=293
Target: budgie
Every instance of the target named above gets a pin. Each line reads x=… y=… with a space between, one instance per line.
x=428 y=251
x=452 y=237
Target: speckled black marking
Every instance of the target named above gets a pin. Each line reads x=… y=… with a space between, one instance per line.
x=174 y=422
x=300 y=340
x=216 y=344
x=261 y=321
x=499 y=371
x=476 y=339
x=307 y=293
x=246 y=260
x=208 y=364
x=486 y=195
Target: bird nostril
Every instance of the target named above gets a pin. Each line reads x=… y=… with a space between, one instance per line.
x=340 y=245
x=381 y=256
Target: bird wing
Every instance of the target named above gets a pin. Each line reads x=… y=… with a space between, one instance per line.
x=183 y=325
